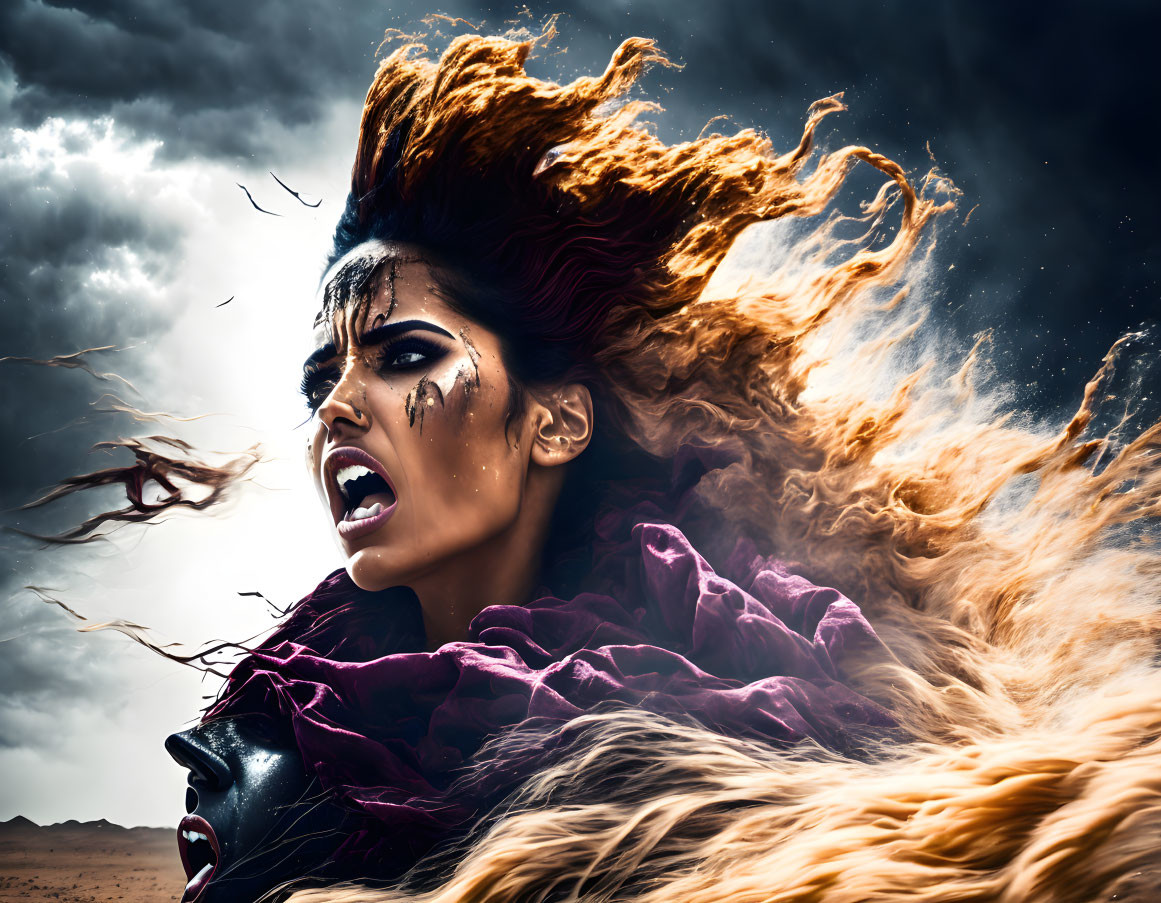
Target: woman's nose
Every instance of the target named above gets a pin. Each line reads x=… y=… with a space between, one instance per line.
x=207 y=768
x=341 y=410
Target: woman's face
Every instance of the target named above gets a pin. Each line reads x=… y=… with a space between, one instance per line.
x=412 y=452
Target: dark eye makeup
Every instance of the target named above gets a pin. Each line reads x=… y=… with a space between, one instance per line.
x=395 y=356
x=317 y=384
x=409 y=353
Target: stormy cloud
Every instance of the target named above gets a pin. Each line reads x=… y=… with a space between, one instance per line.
x=223 y=79
x=127 y=125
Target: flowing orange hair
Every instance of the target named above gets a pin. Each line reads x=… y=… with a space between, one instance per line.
x=1002 y=566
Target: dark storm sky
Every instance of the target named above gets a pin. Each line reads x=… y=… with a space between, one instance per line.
x=1042 y=114
x=1044 y=119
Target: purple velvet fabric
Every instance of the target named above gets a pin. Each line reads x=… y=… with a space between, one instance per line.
x=761 y=657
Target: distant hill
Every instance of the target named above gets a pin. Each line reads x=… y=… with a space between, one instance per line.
x=20 y=823
x=101 y=824
x=88 y=862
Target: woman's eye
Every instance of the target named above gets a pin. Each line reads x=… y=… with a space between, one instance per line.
x=407 y=358
x=316 y=387
x=409 y=354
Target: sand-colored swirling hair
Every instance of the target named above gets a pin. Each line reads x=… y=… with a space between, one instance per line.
x=1005 y=563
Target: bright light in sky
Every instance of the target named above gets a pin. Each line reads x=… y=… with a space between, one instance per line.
x=240 y=363
x=60 y=144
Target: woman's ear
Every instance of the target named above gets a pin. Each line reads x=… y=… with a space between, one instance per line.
x=562 y=421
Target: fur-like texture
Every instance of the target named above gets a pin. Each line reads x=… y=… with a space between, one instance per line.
x=647 y=810
x=1008 y=567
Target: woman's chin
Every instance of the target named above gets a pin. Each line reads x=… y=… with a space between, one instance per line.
x=369 y=569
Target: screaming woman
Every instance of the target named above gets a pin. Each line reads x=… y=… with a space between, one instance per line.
x=655 y=589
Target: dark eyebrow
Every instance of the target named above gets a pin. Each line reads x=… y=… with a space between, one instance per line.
x=377 y=336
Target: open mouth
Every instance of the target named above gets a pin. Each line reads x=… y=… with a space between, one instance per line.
x=363 y=495
x=200 y=855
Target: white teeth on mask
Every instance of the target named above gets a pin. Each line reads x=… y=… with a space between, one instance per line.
x=360 y=513
x=349 y=473
x=206 y=869
x=193 y=836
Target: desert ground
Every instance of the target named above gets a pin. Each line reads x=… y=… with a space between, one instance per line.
x=93 y=862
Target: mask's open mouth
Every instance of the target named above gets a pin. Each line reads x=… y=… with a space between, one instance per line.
x=200 y=855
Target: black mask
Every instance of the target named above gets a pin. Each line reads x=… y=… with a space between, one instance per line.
x=256 y=819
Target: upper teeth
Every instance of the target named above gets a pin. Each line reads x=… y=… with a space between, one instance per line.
x=349 y=473
x=191 y=836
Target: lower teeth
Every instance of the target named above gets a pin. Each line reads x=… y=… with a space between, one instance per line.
x=361 y=513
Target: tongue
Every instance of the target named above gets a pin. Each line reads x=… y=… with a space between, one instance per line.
x=371 y=506
x=386 y=499
x=200 y=876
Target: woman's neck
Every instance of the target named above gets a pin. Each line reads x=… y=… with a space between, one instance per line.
x=502 y=571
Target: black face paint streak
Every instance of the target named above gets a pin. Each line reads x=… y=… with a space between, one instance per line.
x=391 y=299
x=358 y=279
x=471 y=381
x=464 y=377
x=352 y=280
x=383 y=316
x=421 y=398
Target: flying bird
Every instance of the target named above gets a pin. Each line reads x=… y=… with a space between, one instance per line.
x=253 y=202
x=231 y=298
x=295 y=193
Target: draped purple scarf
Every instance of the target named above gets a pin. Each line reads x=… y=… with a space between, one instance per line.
x=388 y=729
